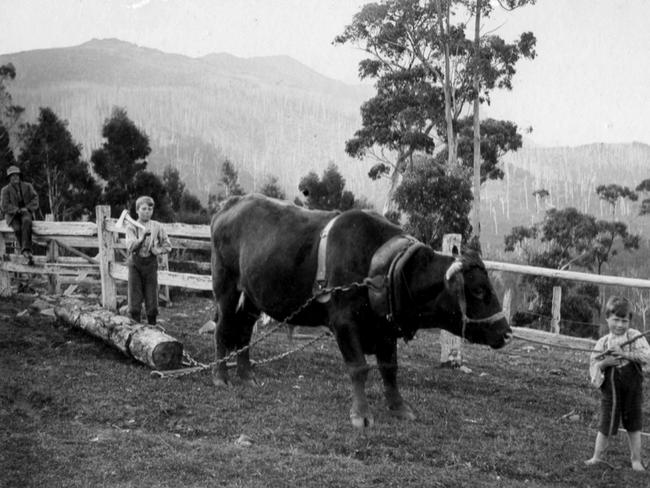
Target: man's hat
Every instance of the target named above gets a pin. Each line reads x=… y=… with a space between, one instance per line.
x=13 y=170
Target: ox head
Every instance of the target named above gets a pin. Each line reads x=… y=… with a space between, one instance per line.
x=456 y=295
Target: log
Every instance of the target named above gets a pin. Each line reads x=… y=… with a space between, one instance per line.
x=145 y=343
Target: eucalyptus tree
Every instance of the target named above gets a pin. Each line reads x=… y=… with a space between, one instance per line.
x=328 y=192
x=120 y=159
x=9 y=117
x=51 y=160
x=568 y=237
x=424 y=67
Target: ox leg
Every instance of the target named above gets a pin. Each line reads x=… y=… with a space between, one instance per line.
x=244 y=367
x=234 y=329
x=358 y=368
x=387 y=361
x=220 y=376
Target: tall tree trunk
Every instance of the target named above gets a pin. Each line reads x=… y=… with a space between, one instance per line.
x=451 y=140
x=476 y=211
x=390 y=205
x=395 y=180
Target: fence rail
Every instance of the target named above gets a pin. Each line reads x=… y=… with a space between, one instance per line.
x=95 y=258
x=107 y=240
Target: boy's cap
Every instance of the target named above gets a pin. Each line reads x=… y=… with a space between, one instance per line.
x=12 y=170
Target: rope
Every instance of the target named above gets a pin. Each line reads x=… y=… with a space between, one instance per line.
x=580 y=349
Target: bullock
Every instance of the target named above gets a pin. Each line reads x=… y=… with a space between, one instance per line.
x=356 y=273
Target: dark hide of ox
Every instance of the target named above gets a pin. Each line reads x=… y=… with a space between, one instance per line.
x=264 y=259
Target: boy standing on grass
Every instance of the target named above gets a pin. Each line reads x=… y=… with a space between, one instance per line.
x=618 y=373
x=143 y=248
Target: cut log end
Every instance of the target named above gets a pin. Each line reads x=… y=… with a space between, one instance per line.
x=167 y=355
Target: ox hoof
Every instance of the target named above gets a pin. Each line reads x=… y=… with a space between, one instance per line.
x=219 y=382
x=361 y=421
x=252 y=382
x=405 y=412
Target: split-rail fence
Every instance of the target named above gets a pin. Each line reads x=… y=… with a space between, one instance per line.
x=95 y=253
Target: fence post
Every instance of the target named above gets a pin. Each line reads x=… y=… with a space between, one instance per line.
x=507 y=301
x=5 y=280
x=164 y=289
x=451 y=346
x=52 y=256
x=555 y=310
x=105 y=241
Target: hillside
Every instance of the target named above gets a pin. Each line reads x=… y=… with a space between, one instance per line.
x=273 y=115
x=268 y=115
x=570 y=175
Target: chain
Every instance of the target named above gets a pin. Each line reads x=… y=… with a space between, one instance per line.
x=194 y=366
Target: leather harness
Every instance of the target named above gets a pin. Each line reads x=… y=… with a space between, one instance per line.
x=385 y=276
x=385 y=281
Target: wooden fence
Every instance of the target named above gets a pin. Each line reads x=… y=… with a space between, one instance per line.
x=98 y=252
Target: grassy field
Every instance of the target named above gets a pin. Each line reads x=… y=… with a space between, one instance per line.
x=76 y=413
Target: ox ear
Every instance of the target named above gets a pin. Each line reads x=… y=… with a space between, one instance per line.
x=454 y=278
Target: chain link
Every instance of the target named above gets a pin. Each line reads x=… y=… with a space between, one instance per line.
x=194 y=366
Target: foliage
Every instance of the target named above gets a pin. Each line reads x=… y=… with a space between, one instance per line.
x=569 y=237
x=644 y=187
x=51 y=160
x=185 y=206
x=498 y=137
x=271 y=188
x=518 y=235
x=120 y=159
x=9 y=115
x=399 y=118
x=613 y=194
x=409 y=44
x=541 y=193
x=7 y=157
x=228 y=186
x=435 y=201
x=328 y=192
x=150 y=184
x=230 y=179
x=175 y=187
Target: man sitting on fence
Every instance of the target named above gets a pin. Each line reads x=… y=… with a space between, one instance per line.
x=19 y=202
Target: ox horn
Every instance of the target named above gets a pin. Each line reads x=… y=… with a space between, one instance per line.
x=455 y=267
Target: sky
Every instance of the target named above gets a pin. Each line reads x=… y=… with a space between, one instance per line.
x=590 y=81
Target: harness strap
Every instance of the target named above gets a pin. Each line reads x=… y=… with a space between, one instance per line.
x=487 y=320
x=321 y=270
x=393 y=276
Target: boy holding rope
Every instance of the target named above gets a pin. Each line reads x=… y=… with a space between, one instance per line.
x=143 y=247
x=615 y=366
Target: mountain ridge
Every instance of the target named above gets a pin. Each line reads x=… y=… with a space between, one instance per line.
x=272 y=115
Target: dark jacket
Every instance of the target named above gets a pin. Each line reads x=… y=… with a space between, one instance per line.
x=10 y=198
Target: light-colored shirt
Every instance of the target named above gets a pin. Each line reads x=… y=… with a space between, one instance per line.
x=639 y=351
x=156 y=243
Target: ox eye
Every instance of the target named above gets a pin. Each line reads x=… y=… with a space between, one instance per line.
x=478 y=293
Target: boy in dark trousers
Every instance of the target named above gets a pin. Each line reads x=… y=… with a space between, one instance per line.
x=143 y=247
x=619 y=375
